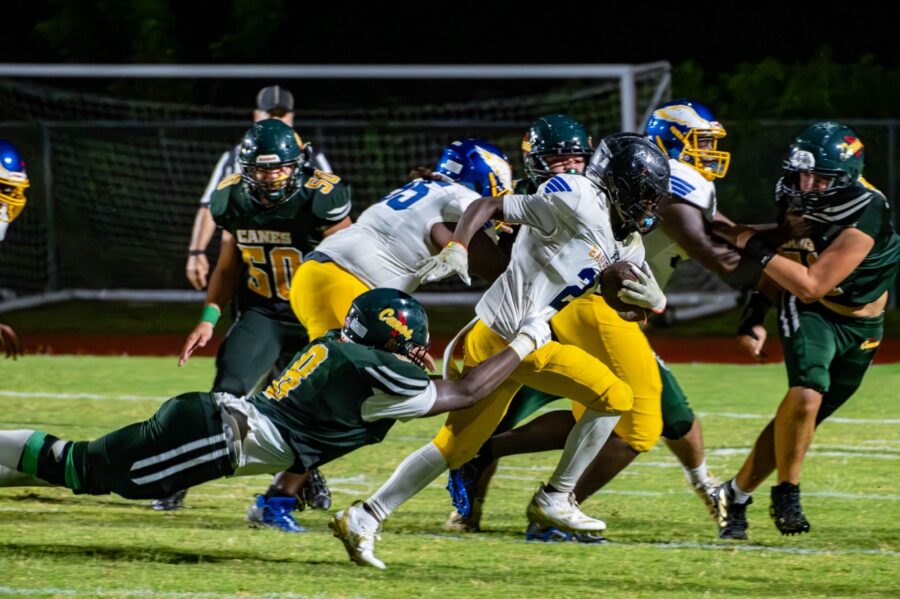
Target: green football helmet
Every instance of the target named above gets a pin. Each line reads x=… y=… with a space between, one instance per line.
x=828 y=149
x=270 y=156
x=391 y=320
x=553 y=135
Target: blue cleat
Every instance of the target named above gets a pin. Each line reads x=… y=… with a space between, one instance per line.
x=274 y=512
x=462 y=486
x=554 y=535
x=535 y=532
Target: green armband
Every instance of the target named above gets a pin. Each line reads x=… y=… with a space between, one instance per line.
x=210 y=314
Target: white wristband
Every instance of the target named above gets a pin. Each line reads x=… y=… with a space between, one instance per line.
x=522 y=345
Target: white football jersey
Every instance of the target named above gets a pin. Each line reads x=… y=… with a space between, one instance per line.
x=390 y=238
x=558 y=256
x=689 y=186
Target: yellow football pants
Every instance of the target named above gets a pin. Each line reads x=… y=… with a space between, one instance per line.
x=321 y=294
x=592 y=325
x=556 y=368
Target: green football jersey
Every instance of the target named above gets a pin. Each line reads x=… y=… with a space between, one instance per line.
x=317 y=402
x=273 y=241
x=862 y=207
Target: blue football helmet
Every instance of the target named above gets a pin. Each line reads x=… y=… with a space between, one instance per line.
x=687 y=131
x=13 y=182
x=478 y=165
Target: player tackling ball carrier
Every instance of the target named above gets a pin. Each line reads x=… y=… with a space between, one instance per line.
x=576 y=226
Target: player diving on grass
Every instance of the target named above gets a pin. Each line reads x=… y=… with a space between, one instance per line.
x=688 y=133
x=576 y=227
x=832 y=287
x=344 y=390
x=382 y=249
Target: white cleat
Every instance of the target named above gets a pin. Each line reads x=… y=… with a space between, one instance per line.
x=560 y=510
x=705 y=491
x=358 y=531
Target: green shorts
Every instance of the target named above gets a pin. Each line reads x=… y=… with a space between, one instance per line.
x=826 y=352
x=183 y=444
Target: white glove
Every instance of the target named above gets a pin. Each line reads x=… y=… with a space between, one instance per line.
x=453 y=259
x=644 y=292
x=533 y=333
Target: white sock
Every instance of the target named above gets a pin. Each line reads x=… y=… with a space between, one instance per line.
x=697 y=475
x=412 y=475
x=10 y=477
x=12 y=443
x=740 y=496
x=582 y=445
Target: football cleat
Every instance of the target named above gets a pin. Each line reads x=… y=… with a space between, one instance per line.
x=730 y=516
x=786 y=511
x=560 y=510
x=705 y=490
x=462 y=484
x=274 y=512
x=315 y=491
x=358 y=531
x=457 y=523
x=534 y=532
x=172 y=503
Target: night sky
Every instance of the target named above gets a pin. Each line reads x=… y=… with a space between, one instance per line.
x=463 y=32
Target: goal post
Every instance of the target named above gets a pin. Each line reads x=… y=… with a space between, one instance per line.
x=116 y=180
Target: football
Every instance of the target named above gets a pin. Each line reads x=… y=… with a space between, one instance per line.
x=611 y=281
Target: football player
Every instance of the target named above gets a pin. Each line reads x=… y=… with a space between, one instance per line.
x=688 y=133
x=13 y=183
x=382 y=249
x=832 y=288
x=273 y=212
x=577 y=225
x=272 y=102
x=341 y=392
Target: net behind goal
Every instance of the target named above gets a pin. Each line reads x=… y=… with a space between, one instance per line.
x=115 y=182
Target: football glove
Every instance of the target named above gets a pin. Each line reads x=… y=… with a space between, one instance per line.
x=644 y=292
x=453 y=259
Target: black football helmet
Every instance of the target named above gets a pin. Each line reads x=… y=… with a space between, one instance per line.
x=634 y=174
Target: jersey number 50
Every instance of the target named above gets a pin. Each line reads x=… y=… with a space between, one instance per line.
x=284 y=261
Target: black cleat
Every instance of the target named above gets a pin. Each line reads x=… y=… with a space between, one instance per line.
x=730 y=516
x=786 y=511
x=171 y=503
x=315 y=493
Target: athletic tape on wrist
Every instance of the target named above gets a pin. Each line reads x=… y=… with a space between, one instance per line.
x=522 y=345
x=210 y=314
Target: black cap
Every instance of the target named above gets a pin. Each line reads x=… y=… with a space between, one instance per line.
x=274 y=97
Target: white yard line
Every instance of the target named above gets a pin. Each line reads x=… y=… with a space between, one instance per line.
x=114 y=397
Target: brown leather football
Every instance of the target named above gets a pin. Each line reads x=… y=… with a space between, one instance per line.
x=611 y=281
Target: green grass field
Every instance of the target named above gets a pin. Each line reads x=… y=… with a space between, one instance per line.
x=53 y=543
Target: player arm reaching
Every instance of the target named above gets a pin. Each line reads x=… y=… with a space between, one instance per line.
x=808 y=283
x=454 y=258
x=685 y=224
x=222 y=284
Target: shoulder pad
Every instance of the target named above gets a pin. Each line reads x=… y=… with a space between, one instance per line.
x=689 y=185
x=218 y=202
